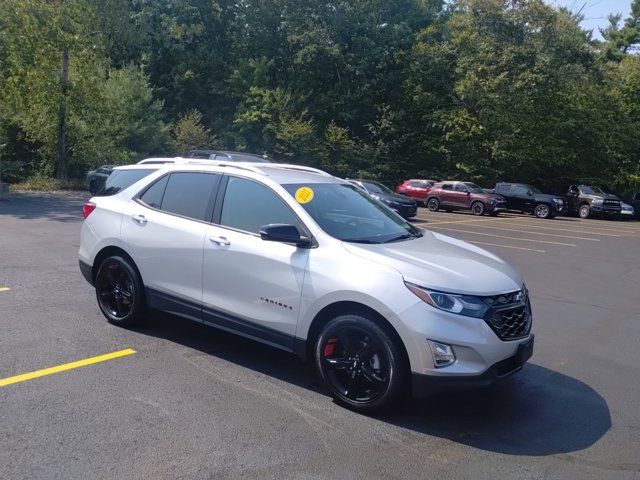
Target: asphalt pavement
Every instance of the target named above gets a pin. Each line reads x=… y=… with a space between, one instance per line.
x=196 y=403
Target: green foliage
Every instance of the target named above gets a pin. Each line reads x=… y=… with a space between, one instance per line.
x=389 y=89
x=188 y=133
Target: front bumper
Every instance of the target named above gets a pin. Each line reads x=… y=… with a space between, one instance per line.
x=425 y=385
x=407 y=211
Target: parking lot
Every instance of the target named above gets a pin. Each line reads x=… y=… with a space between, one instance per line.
x=178 y=400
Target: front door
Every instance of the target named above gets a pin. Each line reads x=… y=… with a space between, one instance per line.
x=252 y=286
x=462 y=198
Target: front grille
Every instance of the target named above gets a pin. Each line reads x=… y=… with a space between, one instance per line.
x=511 y=323
x=609 y=204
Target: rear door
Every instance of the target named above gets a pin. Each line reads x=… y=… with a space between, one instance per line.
x=165 y=229
x=446 y=194
x=252 y=286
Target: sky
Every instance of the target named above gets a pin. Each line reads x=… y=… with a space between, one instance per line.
x=595 y=11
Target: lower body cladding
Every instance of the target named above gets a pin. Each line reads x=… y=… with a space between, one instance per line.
x=480 y=357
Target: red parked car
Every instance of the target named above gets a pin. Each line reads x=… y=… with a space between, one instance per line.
x=415 y=188
x=453 y=195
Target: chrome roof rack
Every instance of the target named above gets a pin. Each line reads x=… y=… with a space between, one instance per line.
x=302 y=168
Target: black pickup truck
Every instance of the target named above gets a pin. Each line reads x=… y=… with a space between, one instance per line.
x=587 y=201
x=527 y=199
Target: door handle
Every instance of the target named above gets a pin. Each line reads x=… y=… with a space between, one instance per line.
x=139 y=219
x=220 y=241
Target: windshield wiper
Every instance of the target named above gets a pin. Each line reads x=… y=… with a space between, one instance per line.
x=360 y=240
x=404 y=236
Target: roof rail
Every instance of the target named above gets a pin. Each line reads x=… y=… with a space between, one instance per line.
x=222 y=163
x=302 y=168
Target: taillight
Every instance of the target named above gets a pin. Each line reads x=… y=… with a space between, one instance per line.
x=87 y=208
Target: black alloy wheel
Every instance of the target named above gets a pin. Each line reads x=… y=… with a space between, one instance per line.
x=477 y=208
x=542 y=211
x=433 y=204
x=119 y=291
x=360 y=364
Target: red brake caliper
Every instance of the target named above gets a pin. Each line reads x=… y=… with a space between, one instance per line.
x=330 y=347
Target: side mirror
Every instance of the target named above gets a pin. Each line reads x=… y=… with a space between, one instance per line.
x=278 y=232
x=468 y=194
x=530 y=193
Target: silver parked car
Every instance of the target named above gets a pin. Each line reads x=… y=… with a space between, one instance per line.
x=308 y=263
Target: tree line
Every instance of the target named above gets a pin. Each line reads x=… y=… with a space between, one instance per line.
x=483 y=90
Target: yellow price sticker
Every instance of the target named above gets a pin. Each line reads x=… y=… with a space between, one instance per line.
x=304 y=195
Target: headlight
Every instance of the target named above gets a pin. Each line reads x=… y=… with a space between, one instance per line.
x=597 y=201
x=466 y=305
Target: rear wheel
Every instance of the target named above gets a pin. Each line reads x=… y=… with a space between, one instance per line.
x=542 y=211
x=361 y=365
x=433 y=204
x=119 y=291
x=584 y=211
x=477 y=208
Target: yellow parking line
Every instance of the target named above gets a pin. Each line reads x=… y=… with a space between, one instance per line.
x=66 y=366
x=508 y=238
x=4 y=289
x=509 y=246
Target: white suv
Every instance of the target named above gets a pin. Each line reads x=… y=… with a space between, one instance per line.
x=306 y=262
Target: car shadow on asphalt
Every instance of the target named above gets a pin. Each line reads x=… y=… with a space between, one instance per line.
x=60 y=207
x=536 y=412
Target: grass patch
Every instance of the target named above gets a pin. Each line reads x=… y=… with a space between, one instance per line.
x=46 y=184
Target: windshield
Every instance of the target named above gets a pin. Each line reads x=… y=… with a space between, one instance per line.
x=591 y=190
x=375 y=187
x=473 y=188
x=348 y=214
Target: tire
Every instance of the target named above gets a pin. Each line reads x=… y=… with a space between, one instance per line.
x=584 y=211
x=542 y=210
x=433 y=204
x=120 y=292
x=362 y=366
x=477 y=208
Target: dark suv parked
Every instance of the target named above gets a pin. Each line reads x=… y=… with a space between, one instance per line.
x=586 y=201
x=96 y=178
x=406 y=207
x=528 y=199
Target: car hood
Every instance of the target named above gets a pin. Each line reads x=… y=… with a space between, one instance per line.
x=444 y=263
x=394 y=197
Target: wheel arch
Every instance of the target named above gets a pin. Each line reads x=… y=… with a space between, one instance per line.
x=346 y=307
x=110 y=251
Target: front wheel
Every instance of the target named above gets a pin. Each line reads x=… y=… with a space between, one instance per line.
x=477 y=208
x=584 y=212
x=361 y=365
x=119 y=291
x=542 y=211
x=433 y=204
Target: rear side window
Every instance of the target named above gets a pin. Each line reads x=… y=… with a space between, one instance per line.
x=503 y=187
x=189 y=194
x=153 y=195
x=447 y=186
x=248 y=206
x=122 y=179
